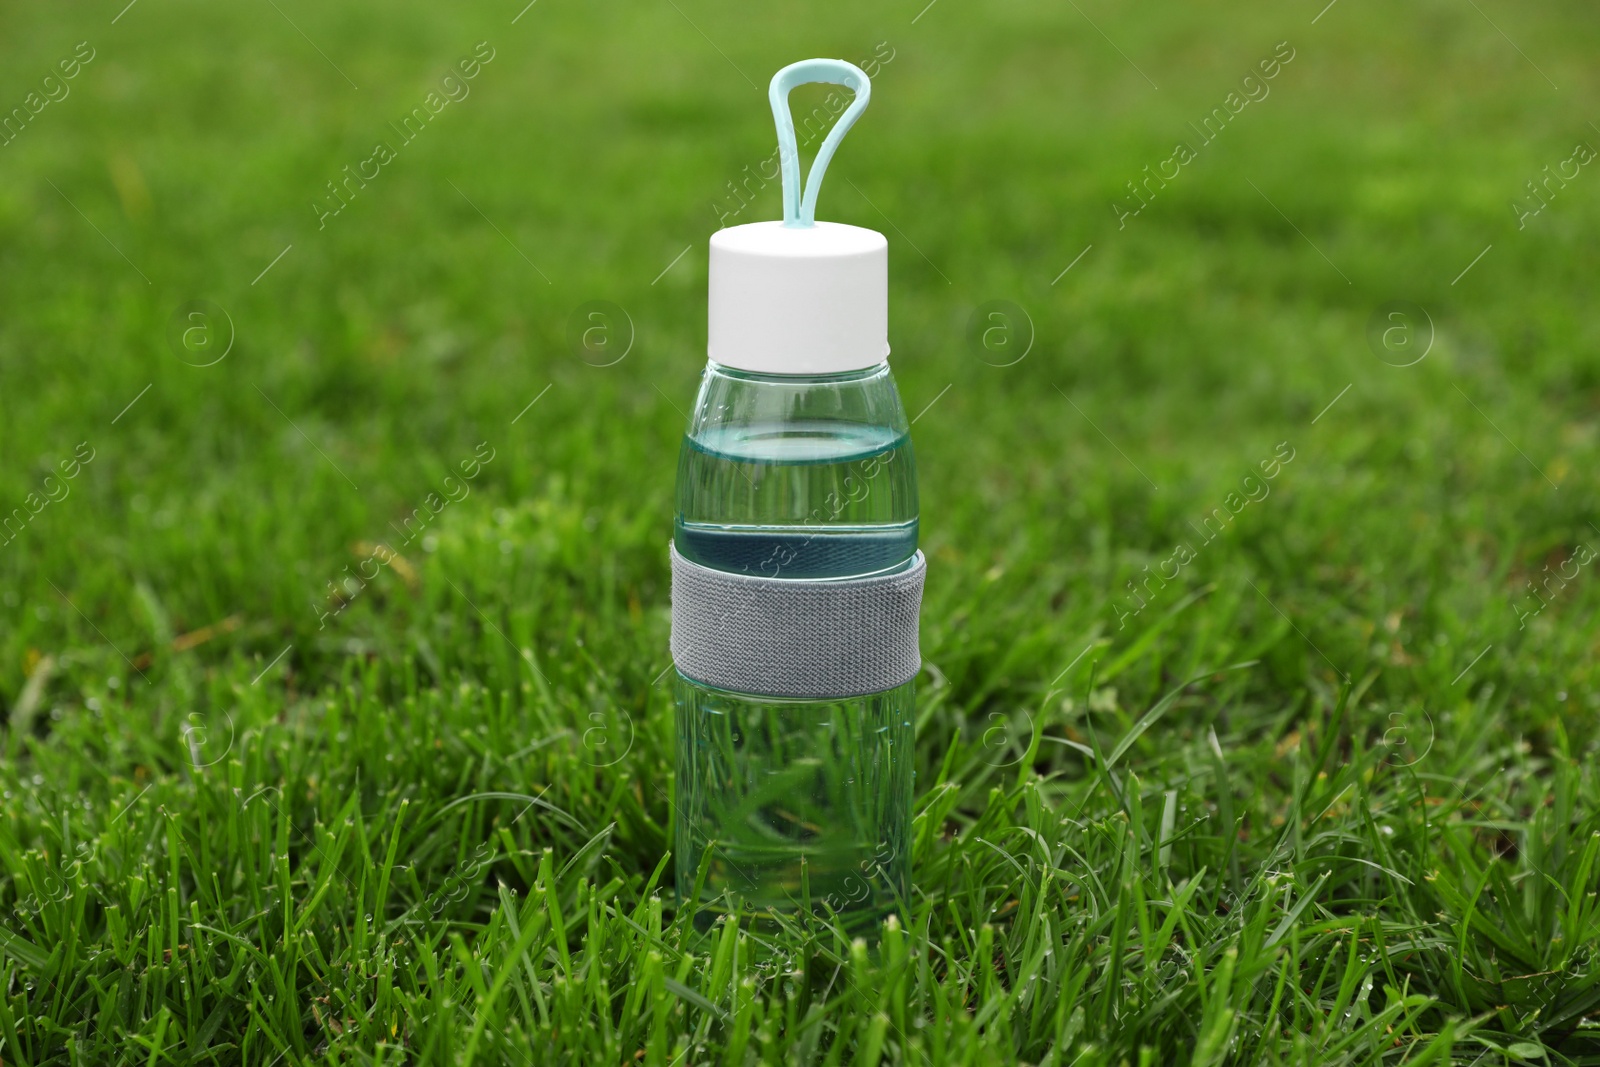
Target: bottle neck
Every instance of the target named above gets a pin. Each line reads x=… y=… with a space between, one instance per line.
x=863 y=374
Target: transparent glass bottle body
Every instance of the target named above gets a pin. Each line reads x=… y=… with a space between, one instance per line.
x=801 y=804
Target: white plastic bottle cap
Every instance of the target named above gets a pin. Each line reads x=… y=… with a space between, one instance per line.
x=798 y=299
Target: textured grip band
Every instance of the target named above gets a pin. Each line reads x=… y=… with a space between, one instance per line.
x=793 y=637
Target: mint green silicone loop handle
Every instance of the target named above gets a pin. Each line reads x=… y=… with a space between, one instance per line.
x=800 y=207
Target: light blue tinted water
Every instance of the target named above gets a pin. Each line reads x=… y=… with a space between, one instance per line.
x=803 y=805
x=811 y=499
x=791 y=804
x=784 y=553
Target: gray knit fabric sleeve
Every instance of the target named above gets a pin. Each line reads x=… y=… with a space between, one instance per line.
x=796 y=637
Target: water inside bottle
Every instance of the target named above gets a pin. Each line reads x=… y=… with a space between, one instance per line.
x=809 y=499
x=803 y=805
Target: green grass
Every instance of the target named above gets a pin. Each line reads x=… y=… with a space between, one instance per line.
x=1324 y=799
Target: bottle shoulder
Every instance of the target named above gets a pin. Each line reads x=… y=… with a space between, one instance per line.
x=767 y=409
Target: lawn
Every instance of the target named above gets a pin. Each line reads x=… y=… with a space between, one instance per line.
x=1257 y=721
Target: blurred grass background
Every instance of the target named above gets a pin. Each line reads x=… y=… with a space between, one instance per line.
x=409 y=329
x=590 y=162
